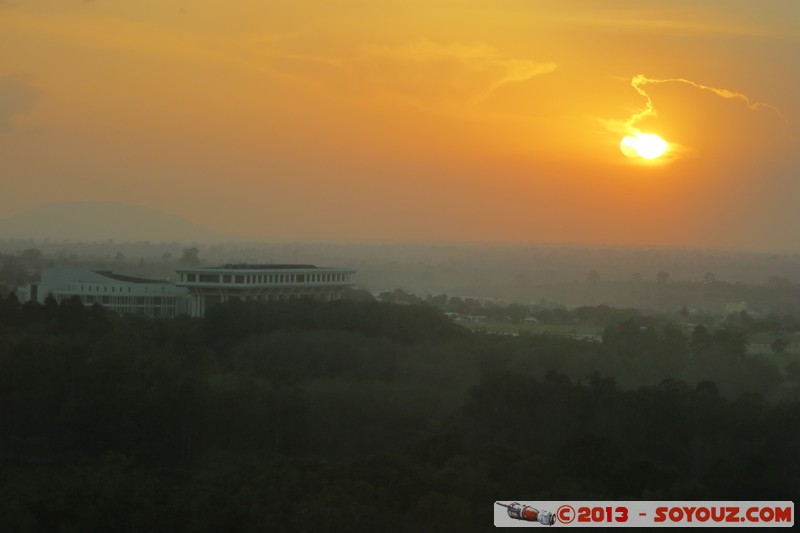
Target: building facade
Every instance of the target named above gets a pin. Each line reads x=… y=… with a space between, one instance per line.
x=198 y=289
x=210 y=286
x=119 y=293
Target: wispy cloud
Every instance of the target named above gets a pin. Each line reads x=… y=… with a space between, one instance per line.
x=471 y=71
x=639 y=81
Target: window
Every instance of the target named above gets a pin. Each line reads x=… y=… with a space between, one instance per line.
x=239 y=279
x=190 y=277
x=208 y=278
x=226 y=278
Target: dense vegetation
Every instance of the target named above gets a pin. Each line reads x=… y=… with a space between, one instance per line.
x=361 y=416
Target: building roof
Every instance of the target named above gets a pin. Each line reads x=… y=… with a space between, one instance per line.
x=129 y=279
x=256 y=267
x=245 y=266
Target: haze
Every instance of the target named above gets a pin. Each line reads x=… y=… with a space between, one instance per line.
x=411 y=121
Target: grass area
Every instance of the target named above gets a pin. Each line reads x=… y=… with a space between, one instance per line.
x=781 y=360
x=761 y=343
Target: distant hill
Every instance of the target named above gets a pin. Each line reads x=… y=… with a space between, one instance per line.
x=101 y=221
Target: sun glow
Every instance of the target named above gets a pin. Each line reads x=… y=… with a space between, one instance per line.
x=644 y=145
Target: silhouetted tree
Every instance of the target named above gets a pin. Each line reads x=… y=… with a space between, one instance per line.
x=779 y=345
x=190 y=257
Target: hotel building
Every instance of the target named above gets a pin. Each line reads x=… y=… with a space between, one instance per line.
x=210 y=286
x=116 y=292
x=198 y=289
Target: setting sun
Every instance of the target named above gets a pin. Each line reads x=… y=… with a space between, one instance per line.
x=644 y=145
x=517 y=110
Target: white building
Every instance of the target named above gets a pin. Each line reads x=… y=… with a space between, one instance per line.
x=116 y=292
x=210 y=286
x=198 y=289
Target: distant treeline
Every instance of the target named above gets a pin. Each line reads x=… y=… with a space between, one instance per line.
x=364 y=416
x=604 y=315
x=661 y=280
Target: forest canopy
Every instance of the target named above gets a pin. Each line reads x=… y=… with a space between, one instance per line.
x=249 y=417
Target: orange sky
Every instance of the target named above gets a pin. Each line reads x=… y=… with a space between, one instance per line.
x=492 y=120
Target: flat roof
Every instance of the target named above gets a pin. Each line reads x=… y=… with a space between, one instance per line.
x=128 y=279
x=254 y=267
x=246 y=266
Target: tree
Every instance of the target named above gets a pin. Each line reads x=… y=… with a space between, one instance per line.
x=709 y=277
x=31 y=258
x=662 y=277
x=190 y=257
x=438 y=301
x=779 y=345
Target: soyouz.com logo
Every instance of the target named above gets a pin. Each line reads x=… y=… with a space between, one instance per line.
x=645 y=514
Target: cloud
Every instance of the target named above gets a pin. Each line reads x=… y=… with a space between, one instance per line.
x=427 y=70
x=649 y=110
x=694 y=118
x=17 y=97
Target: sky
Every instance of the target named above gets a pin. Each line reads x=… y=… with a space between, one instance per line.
x=446 y=121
